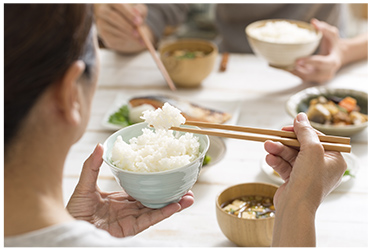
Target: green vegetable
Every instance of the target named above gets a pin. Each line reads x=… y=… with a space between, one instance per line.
x=342 y=108
x=121 y=117
x=347 y=172
x=188 y=54
x=207 y=159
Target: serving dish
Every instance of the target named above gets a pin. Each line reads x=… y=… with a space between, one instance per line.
x=299 y=102
x=232 y=107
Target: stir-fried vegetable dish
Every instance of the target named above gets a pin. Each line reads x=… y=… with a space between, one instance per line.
x=335 y=111
x=251 y=207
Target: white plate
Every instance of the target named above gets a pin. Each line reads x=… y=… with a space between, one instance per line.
x=231 y=107
x=351 y=159
x=216 y=150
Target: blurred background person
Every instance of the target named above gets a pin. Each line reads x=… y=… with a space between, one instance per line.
x=225 y=25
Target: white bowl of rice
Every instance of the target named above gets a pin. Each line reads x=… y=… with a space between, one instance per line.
x=155 y=165
x=281 y=42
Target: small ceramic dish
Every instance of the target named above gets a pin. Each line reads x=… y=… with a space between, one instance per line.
x=278 y=54
x=300 y=103
x=155 y=189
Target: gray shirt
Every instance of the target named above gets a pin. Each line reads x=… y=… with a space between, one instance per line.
x=232 y=19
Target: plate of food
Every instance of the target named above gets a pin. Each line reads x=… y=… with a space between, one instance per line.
x=126 y=111
x=216 y=151
x=333 y=111
x=351 y=160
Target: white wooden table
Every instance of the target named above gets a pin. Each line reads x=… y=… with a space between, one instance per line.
x=342 y=219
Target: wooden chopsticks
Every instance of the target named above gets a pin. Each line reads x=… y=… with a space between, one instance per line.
x=223 y=62
x=330 y=143
x=152 y=50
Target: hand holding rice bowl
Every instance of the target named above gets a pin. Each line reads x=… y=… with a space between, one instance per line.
x=281 y=42
x=283 y=32
x=148 y=170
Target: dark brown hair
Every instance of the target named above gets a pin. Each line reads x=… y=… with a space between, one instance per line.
x=41 y=41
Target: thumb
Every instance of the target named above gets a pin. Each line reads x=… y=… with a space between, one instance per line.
x=90 y=169
x=306 y=135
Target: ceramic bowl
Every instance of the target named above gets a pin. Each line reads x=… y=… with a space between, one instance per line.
x=245 y=232
x=300 y=103
x=282 y=55
x=156 y=189
x=189 y=72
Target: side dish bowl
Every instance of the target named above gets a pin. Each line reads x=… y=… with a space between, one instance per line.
x=245 y=232
x=301 y=100
x=282 y=55
x=155 y=189
x=188 y=71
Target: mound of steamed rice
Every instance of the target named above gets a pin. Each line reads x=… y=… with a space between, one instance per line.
x=283 y=32
x=157 y=150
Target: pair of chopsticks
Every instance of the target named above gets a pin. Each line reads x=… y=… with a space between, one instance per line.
x=224 y=62
x=152 y=50
x=329 y=143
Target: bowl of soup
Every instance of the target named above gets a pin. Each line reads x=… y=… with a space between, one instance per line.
x=281 y=42
x=188 y=61
x=245 y=213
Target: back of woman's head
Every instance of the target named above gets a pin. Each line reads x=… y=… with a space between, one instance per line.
x=41 y=41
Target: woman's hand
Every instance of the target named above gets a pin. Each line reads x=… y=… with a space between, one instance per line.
x=116 y=24
x=322 y=67
x=310 y=174
x=117 y=212
x=310 y=171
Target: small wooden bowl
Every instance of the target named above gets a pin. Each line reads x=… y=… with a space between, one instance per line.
x=189 y=72
x=245 y=232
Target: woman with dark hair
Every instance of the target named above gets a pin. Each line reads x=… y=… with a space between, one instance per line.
x=50 y=77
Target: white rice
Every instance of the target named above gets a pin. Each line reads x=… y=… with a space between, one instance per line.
x=164 y=118
x=283 y=32
x=158 y=150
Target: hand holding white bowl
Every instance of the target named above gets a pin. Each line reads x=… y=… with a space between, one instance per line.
x=117 y=212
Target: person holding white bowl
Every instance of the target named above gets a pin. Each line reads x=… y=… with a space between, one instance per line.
x=50 y=76
x=116 y=25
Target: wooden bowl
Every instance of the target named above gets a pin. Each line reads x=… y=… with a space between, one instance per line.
x=282 y=55
x=189 y=72
x=245 y=232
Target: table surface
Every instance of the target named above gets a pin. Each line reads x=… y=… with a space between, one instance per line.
x=261 y=93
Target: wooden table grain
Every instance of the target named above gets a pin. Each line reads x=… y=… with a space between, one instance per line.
x=341 y=220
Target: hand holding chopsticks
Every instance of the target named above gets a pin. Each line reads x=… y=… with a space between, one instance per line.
x=330 y=143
